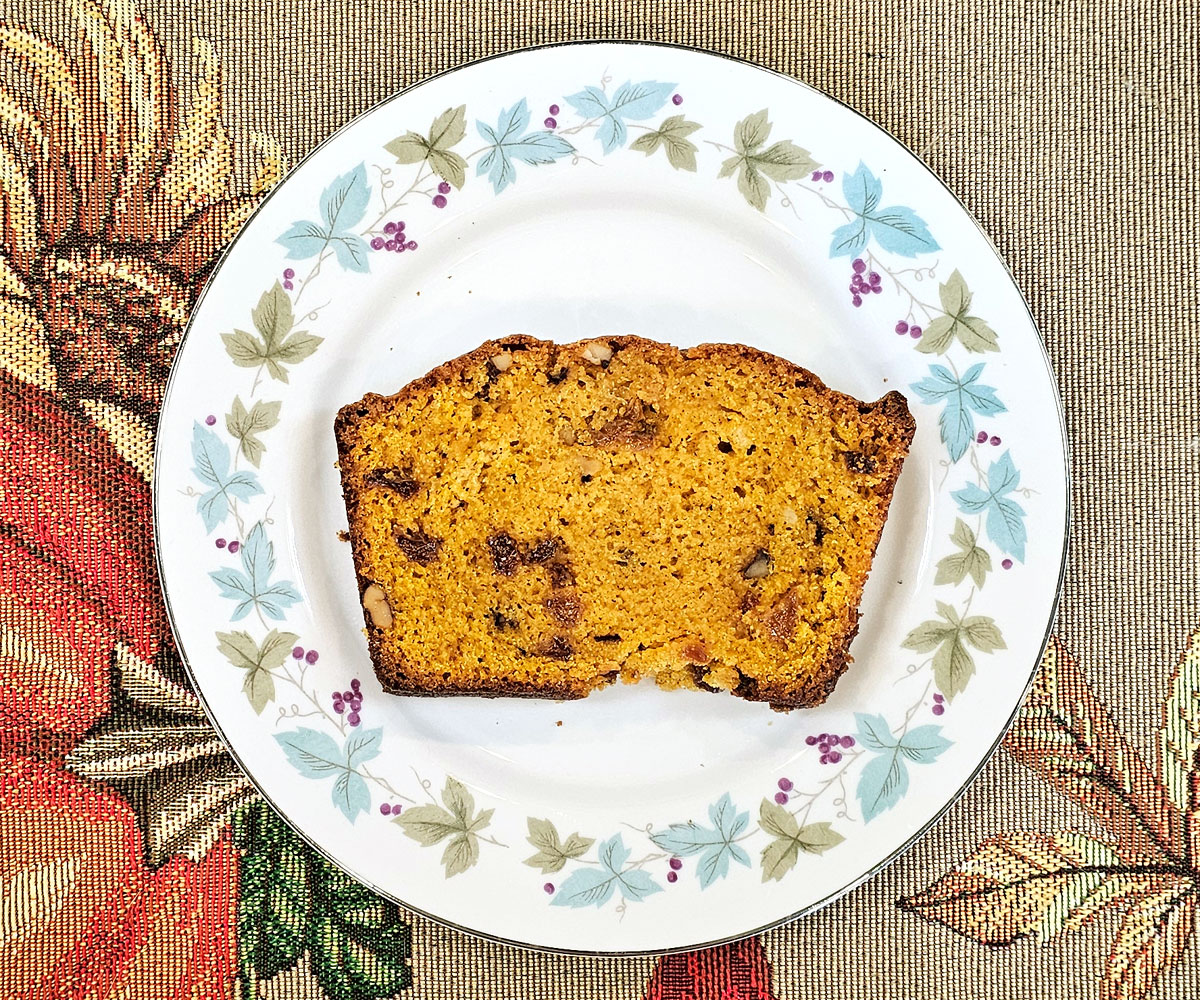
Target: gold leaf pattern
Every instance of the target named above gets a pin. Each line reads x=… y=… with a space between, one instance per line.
x=135 y=753
x=19 y=207
x=1151 y=940
x=1066 y=735
x=55 y=99
x=24 y=348
x=104 y=112
x=189 y=820
x=200 y=168
x=151 y=102
x=1179 y=739
x=148 y=686
x=1037 y=884
x=271 y=165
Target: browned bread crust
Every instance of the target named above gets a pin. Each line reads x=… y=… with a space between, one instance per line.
x=536 y=519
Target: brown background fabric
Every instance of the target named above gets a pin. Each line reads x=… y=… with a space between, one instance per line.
x=1070 y=132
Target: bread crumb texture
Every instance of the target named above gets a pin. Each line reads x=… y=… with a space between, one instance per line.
x=540 y=519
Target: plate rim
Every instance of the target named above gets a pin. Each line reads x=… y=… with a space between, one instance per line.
x=940 y=812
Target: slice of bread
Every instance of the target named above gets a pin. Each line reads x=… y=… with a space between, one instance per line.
x=539 y=519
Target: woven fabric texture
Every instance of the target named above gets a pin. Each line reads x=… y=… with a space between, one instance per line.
x=1069 y=132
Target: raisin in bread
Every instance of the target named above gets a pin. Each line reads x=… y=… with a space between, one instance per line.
x=539 y=519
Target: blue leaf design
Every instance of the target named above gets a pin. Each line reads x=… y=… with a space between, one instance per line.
x=537 y=148
x=235 y=586
x=631 y=102
x=585 y=887
x=351 y=795
x=962 y=399
x=343 y=205
x=924 y=744
x=595 y=886
x=873 y=732
x=303 y=239
x=591 y=102
x=211 y=457
x=613 y=853
x=884 y=780
x=1005 y=518
x=713 y=864
x=364 y=745
x=313 y=753
x=862 y=190
x=636 y=885
x=881 y=785
x=351 y=252
x=252 y=587
x=725 y=817
x=1003 y=476
x=848 y=239
x=316 y=755
x=344 y=202
x=901 y=231
x=636 y=101
x=896 y=228
x=507 y=143
x=715 y=844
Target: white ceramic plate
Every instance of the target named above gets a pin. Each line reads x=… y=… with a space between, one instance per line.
x=589 y=190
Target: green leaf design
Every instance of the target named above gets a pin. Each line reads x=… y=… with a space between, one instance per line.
x=1179 y=734
x=552 y=852
x=240 y=649
x=245 y=425
x=290 y=899
x=789 y=839
x=274 y=901
x=431 y=824
x=957 y=323
x=971 y=561
x=246 y=350
x=447 y=130
x=782 y=161
x=275 y=344
x=672 y=135
x=953 y=665
x=358 y=943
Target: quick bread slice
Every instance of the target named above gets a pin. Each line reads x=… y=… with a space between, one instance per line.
x=539 y=519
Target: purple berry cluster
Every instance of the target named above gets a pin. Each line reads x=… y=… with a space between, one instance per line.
x=828 y=744
x=982 y=438
x=288 y=275
x=822 y=175
x=393 y=239
x=387 y=809
x=352 y=700
x=863 y=284
x=439 y=199
x=902 y=328
x=233 y=545
x=673 y=867
x=551 y=121
x=939 y=703
x=310 y=657
x=785 y=786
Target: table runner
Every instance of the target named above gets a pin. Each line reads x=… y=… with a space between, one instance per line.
x=134 y=859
